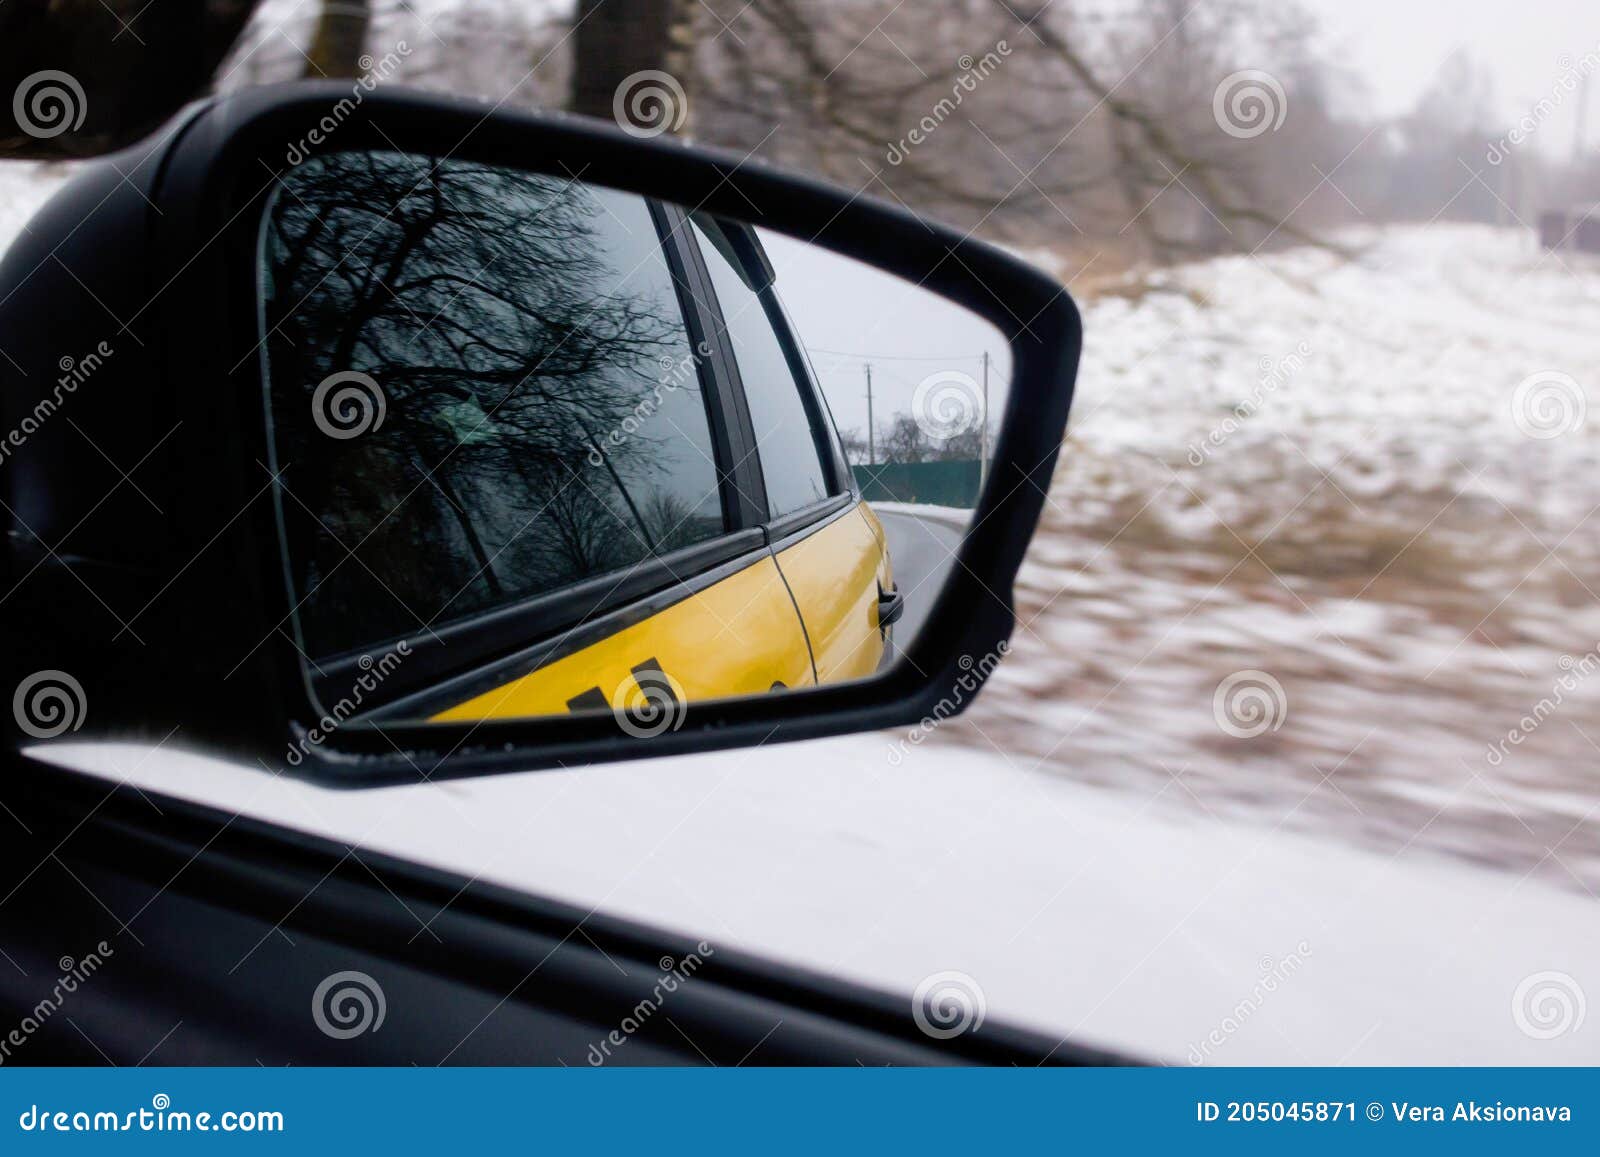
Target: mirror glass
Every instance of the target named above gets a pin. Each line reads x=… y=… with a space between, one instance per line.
x=545 y=447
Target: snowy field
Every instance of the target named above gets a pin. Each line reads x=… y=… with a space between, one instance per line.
x=1382 y=533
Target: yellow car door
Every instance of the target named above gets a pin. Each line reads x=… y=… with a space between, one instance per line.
x=731 y=634
x=837 y=570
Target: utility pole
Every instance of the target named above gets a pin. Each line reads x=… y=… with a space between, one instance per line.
x=983 y=439
x=1580 y=137
x=872 y=451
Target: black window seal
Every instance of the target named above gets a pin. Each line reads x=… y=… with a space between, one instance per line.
x=787 y=529
x=739 y=469
x=817 y=417
x=462 y=649
x=602 y=620
x=835 y=465
x=740 y=247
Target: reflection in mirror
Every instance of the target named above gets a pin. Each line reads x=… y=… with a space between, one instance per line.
x=915 y=385
x=544 y=447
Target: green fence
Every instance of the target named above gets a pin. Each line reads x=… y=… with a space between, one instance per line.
x=929 y=483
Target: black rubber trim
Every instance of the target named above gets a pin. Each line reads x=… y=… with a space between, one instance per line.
x=743 y=500
x=843 y=479
x=746 y=243
x=600 y=623
x=785 y=531
x=499 y=635
x=747 y=465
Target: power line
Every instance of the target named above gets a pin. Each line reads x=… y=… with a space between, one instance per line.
x=895 y=357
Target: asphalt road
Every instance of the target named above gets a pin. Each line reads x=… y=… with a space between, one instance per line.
x=922 y=551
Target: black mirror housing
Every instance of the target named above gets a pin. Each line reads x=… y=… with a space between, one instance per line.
x=143 y=555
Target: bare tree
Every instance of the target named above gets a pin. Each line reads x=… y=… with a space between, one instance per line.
x=902 y=440
x=339 y=40
x=615 y=40
x=1027 y=122
x=484 y=304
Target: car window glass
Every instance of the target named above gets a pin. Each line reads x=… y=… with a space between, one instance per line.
x=786 y=443
x=481 y=390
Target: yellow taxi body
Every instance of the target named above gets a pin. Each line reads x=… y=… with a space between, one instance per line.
x=805 y=612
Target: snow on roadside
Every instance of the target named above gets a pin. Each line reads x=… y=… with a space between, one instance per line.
x=956 y=516
x=1312 y=469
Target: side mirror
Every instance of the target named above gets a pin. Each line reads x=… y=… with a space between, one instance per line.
x=83 y=83
x=388 y=436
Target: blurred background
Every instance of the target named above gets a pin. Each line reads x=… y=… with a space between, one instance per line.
x=1318 y=555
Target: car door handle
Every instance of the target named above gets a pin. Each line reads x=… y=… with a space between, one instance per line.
x=891 y=605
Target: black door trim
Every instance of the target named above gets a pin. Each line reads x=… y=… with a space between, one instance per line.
x=744 y=469
x=788 y=529
x=594 y=610
x=747 y=246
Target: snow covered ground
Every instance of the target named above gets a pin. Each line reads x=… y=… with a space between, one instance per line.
x=1382 y=535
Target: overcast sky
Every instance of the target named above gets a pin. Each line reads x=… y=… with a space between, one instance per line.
x=849 y=314
x=1398 y=46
